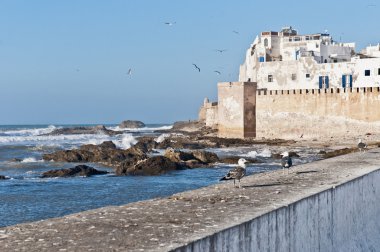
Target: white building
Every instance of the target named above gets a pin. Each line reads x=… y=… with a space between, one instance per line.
x=285 y=60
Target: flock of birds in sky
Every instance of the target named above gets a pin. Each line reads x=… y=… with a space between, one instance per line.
x=197 y=68
x=239 y=171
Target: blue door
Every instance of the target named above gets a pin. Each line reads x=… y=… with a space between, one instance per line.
x=327 y=81
x=351 y=81
x=320 y=82
x=343 y=81
x=261 y=59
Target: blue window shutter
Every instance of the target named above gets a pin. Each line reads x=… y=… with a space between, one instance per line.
x=327 y=81
x=320 y=82
x=351 y=81
x=343 y=81
x=261 y=59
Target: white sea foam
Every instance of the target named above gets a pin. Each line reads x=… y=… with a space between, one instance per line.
x=31 y=160
x=265 y=153
x=162 y=137
x=117 y=128
x=251 y=154
x=29 y=132
x=126 y=142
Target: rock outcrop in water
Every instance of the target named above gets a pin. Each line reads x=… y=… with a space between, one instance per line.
x=156 y=165
x=100 y=129
x=2 y=177
x=131 y=124
x=79 y=170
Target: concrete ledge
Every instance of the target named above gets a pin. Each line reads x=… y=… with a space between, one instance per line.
x=329 y=205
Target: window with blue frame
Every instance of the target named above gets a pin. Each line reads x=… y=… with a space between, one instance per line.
x=261 y=59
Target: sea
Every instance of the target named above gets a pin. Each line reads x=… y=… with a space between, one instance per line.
x=26 y=197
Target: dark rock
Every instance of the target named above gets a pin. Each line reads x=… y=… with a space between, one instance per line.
x=79 y=170
x=188 y=126
x=205 y=156
x=177 y=155
x=153 y=166
x=339 y=152
x=15 y=160
x=235 y=159
x=2 y=177
x=107 y=144
x=131 y=124
x=99 y=129
x=322 y=152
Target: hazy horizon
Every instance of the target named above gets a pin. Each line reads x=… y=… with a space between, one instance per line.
x=67 y=62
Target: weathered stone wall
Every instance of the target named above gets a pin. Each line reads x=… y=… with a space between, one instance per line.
x=236 y=109
x=317 y=112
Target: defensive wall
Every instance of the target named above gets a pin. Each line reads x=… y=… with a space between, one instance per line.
x=329 y=112
x=245 y=111
x=329 y=205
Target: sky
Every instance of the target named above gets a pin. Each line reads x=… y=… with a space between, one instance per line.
x=67 y=62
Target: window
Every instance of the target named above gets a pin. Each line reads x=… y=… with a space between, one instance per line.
x=307 y=76
x=378 y=71
x=367 y=72
x=316 y=45
x=270 y=78
x=294 y=76
x=266 y=42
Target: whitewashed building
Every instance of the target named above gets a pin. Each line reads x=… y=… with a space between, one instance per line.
x=285 y=60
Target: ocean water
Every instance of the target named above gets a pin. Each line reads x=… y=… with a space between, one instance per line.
x=26 y=197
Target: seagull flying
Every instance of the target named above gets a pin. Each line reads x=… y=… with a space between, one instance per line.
x=361 y=145
x=130 y=72
x=237 y=172
x=197 y=67
x=236 y=32
x=217 y=72
x=286 y=161
x=221 y=50
x=170 y=23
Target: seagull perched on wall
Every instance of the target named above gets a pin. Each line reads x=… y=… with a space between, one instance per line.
x=286 y=161
x=361 y=145
x=197 y=67
x=237 y=172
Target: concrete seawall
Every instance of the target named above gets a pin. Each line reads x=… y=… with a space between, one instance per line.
x=329 y=205
x=344 y=218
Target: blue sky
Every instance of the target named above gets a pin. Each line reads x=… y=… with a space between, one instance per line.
x=67 y=61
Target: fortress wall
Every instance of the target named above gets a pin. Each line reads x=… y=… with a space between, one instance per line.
x=344 y=218
x=317 y=112
x=236 y=109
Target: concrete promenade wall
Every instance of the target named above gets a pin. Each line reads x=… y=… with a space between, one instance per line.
x=344 y=218
x=328 y=205
x=317 y=112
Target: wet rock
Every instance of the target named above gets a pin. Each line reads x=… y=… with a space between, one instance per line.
x=99 y=129
x=339 y=152
x=15 y=160
x=189 y=126
x=79 y=170
x=105 y=153
x=205 y=156
x=153 y=166
x=2 y=177
x=131 y=124
x=235 y=159
x=177 y=155
x=181 y=143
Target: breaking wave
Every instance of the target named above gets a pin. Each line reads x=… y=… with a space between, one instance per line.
x=117 y=128
x=31 y=160
x=126 y=142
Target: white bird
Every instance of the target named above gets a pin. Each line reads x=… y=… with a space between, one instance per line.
x=197 y=67
x=129 y=71
x=362 y=145
x=236 y=32
x=237 y=172
x=286 y=161
x=217 y=72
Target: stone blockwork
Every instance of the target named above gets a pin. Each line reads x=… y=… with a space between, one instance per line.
x=317 y=112
x=236 y=109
